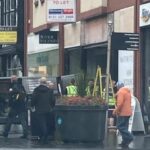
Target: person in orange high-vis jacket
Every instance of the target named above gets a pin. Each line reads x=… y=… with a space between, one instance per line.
x=123 y=111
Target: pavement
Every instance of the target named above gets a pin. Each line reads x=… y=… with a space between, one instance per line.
x=111 y=142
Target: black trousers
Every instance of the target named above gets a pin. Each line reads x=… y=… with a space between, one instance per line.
x=10 y=120
x=43 y=122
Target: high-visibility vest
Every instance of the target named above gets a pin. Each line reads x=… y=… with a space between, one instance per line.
x=111 y=98
x=72 y=90
x=88 y=91
x=111 y=101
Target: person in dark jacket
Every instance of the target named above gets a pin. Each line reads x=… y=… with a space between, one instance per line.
x=43 y=101
x=17 y=97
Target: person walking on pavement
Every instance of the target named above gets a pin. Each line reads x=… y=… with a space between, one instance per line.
x=123 y=111
x=17 y=97
x=43 y=100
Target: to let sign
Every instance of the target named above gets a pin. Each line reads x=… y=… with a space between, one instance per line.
x=61 y=10
x=8 y=35
x=125 y=41
x=48 y=37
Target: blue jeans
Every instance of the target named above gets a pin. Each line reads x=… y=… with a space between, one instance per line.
x=122 y=125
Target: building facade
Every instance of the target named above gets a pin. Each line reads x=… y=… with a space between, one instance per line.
x=12 y=37
x=144 y=23
x=83 y=44
x=42 y=58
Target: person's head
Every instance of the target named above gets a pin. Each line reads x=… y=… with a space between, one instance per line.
x=50 y=84
x=119 y=84
x=113 y=83
x=43 y=81
x=13 y=78
x=91 y=83
x=72 y=81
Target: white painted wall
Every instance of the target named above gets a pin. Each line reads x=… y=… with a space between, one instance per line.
x=124 y=22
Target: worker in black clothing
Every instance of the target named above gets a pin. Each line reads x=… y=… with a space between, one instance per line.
x=43 y=100
x=17 y=97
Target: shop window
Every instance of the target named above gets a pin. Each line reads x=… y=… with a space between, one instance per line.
x=43 y=63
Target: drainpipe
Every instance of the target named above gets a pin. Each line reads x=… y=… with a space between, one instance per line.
x=25 y=72
x=137 y=54
x=61 y=49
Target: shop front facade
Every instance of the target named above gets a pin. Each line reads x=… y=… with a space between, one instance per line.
x=11 y=47
x=85 y=41
x=87 y=48
x=42 y=59
x=144 y=23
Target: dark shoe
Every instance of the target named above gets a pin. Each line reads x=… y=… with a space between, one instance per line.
x=129 y=141
x=123 y=145
x=24 y=137
x=5 y=135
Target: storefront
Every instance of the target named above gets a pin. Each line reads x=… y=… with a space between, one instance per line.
x=87 y=48
x=43 y=59
x=145 y=47
x=86 y=58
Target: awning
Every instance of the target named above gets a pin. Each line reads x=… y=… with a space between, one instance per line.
x=95 y=45
x=89 y=46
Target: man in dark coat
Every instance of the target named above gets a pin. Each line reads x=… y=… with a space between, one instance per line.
x=17 y=104
x=43 y=101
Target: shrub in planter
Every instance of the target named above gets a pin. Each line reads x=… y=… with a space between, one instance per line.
x=78 y=101
x=80 y=118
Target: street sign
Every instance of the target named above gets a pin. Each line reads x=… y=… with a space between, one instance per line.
x=48 y=37
x=61 y=10
x=8 y=35
x=125 y=41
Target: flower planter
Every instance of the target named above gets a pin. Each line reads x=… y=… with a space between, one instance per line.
x=80 y=123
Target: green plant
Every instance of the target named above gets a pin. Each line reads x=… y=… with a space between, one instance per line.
x=78 y=101
x=80 y=81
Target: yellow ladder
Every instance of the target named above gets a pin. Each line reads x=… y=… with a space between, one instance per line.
x=98 y=79
x=110 y=90
x=98 y=76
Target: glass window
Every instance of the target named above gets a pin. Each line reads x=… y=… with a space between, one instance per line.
x=147 y=62
x=13 y=19
x=7 y=5
x=0 y=13
x=7 y=19
x=44 y=63
x=12 y=4
x=10 y=13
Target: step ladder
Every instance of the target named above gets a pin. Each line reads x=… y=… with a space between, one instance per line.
x=99 y=89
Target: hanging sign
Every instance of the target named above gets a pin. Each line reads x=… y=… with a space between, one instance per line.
x=61 y=10
x=48 y=37
x=8 y=35
x=144 y=14
x=125 y=41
